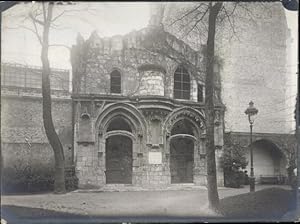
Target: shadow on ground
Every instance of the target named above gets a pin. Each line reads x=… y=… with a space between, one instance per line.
x=18 y=214
x=264 y=205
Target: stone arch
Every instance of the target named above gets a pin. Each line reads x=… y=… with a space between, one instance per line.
x=176 y=66
x=116 y=68
x=127 y=111
x=119 y=114
x=271 y=141
x=268 y=159
x=118 y=123
x=190 y=139
x=111 y=141
x=181 y=147
x=194 y=116
x=124 y=133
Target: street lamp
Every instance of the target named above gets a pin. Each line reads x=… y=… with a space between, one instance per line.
x=251 y=112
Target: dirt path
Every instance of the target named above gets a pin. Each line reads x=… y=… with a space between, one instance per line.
x=146 y=203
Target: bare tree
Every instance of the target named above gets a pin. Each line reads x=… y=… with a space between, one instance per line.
x=202 y=10
x=44 y=21
x=201 y=20
x=40 y=20
x=213 y=196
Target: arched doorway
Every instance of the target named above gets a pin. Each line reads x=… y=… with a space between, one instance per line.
x=182 y=152
x=118 y=151
x=118 y=160
x=268 y=161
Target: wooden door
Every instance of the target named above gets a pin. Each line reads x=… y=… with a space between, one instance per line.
x=118 y=160
x=181 y=160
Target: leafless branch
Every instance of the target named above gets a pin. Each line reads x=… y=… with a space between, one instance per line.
x=197 y=21
x=234 y=8
x=58 y=16
x=230 y=22
x=186 y=14
x=36 y=32
x=35 y=19
x=249 y=13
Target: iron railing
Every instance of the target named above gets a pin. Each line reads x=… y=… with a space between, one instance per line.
x=22 y=76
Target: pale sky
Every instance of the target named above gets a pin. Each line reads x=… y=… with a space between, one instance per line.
x=108 y=19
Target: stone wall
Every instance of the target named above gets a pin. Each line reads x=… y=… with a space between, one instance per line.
x=147 y=60
x=151 y=119
x=257 y=71
x=152 y=83
x=285 y=143
x=142 y=58
x=23 y=139
x=253 y=59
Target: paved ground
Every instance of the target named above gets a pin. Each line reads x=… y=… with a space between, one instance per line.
x=168 y=203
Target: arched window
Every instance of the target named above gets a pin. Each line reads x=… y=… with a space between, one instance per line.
x=115 y=82
x=118 y=123
x=182 y=84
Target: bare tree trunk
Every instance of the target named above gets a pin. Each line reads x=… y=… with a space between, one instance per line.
x=213 y=196
x=59 y=178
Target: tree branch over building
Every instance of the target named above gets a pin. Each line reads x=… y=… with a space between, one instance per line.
x=203 y=20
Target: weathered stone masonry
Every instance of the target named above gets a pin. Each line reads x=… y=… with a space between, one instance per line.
x=146 y=105
x=24 y=145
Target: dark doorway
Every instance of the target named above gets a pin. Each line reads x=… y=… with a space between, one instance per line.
x=181 y=160
x=118 y=160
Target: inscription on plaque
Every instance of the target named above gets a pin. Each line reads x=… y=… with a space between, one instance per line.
x=155 y=158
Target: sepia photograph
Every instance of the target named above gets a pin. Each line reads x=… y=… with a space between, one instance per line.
x=149 y=112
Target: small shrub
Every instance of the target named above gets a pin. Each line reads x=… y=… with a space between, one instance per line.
x=232 y=160
x=30 y=180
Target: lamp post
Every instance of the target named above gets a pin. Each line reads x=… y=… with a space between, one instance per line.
x=251 y=112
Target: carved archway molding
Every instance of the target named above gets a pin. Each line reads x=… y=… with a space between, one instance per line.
x=135 y=120
x=196 y=117
x=120 y=132
x=125 y=110
x=183 y=136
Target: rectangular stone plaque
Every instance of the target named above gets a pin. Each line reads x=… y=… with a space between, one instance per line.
x=155 y=158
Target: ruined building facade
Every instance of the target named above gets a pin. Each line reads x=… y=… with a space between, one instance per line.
x=254 y=47
x=139 y=111
x=135 y=114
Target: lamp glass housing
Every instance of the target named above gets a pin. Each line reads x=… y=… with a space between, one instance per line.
x=251 y=112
